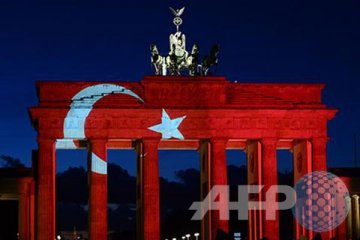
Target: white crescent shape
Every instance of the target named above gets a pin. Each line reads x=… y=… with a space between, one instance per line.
x=98 y=165
x=81 y=106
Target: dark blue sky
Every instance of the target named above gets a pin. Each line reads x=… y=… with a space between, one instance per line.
x=261 y=41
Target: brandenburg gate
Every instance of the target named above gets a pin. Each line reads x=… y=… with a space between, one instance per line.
x=210 y=114
x=169 y=111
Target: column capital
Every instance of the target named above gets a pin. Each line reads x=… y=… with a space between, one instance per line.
x=355 y=196
x=204 y=140
x=151 y=140
x=299 y=140
x=98 y=140
x=269 y=142
x=250 y=141
x=219 y=140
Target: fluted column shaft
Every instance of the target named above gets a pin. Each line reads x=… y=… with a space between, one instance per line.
x=97 y=189
x=45 y=206
x=150 y=189
x=269 y=176
x=219 y=177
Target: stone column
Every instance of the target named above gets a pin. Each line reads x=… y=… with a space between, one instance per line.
x=139 y=149
x=319 y=164
x=150 y=189
x=355 y=216
x=24 y=210
x=45 y=207
x=269 y=176
x=319 y=154
x=349 y=228
x=97 y=189
x=250 y=225
x=218 y=170
x=254 y=163
x=340 y=231
x=32 y=210
x=205 y=186
x=302 y=162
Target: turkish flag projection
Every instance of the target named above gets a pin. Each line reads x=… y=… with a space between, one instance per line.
x=182 y=108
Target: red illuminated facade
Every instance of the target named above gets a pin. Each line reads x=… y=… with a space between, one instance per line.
x=17 y=184
x=217 y=115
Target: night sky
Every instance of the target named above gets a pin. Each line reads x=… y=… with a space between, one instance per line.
x=261 y=41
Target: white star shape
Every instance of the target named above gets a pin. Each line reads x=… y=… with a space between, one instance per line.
x=168 y=127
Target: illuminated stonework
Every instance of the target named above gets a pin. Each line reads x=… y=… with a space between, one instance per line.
x=150 y=115
x=168 y=127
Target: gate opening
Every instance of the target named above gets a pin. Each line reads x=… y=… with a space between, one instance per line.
x=179 y=188
x=121 y=194
x=285 y=173
x=237 y=175
x=72 y=193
